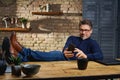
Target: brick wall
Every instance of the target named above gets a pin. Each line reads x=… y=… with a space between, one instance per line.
x=48 y=32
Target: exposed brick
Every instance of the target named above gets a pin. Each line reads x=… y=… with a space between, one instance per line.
x=48 y=32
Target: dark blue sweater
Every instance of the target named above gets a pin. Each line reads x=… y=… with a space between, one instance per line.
x=89 y=46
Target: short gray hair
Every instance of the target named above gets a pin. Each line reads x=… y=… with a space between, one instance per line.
x=87 y=22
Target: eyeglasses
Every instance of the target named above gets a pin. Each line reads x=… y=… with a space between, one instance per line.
x=84 y=30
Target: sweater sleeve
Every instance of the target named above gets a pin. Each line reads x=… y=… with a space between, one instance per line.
x=96 y=53
x=69 y=40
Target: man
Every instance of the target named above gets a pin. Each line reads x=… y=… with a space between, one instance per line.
x=85 y=47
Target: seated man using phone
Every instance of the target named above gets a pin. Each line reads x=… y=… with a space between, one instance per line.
x=85 y=46
x=75 y=47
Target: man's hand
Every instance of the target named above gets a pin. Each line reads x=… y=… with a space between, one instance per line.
x=68 y=54
x=80 y=54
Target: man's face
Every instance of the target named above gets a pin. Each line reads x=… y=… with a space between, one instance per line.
x=85 y=31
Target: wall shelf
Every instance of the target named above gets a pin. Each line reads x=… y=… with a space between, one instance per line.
x=47 y=13
x=15 y=29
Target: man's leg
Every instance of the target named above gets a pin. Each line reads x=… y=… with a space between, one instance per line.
x=30 y=55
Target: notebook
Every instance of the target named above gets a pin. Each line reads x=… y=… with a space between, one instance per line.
x=109 y=61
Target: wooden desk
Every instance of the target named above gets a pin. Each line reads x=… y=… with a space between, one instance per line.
x=68 y=70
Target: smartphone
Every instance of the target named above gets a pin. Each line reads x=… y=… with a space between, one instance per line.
x=71 y=47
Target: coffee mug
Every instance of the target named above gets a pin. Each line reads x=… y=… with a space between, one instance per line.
x=82 y=63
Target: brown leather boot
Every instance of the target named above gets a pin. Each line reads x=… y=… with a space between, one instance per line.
x=13 y=51
x=16 y=45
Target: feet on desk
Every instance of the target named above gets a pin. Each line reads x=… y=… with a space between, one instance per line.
x=10 y=47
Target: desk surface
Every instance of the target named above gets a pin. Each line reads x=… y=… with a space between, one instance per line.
x=69 y=70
